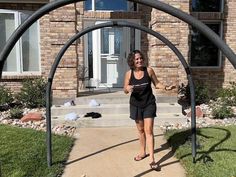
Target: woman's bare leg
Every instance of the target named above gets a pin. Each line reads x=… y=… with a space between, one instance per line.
x=148 y=129
x=142 y=137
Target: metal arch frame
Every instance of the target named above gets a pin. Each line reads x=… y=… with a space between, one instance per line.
x=116 y=24
x=211 y=35
x=151 y=3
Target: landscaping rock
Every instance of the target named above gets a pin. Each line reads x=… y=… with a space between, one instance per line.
x=40 y=124
x=33 y=116
x=199 y=112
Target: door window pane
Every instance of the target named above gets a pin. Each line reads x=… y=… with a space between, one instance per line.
x=117 y=40
x=206 y=6
x=203 y=51
x=90 y=54
x=7 y=26
x=105 y=40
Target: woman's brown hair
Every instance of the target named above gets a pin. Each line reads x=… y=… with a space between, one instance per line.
x=131 y=56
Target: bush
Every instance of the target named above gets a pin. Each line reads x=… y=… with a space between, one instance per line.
x=228 y=95
x=6 y=97
x=16 y=113
x=33 y=93
x=222 y=111
x=201 y=93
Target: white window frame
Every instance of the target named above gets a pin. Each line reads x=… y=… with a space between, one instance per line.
x=220 y=56
x=18 y=45
x=94 y=8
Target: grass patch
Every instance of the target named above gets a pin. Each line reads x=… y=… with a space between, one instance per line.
x=23 y=152
x=216 y=153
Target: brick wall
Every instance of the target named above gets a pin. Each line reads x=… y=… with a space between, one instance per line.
x=56 y=29
x=60 y=25
x=166 y=64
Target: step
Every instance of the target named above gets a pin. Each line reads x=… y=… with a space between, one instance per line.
x=119 y=98
x=106 y=98
x=118 y=120
x=111 y=109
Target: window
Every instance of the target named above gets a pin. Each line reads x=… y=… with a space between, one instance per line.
x=24 y=57
x=203 y=52
x=106 y=5
x=207 y=6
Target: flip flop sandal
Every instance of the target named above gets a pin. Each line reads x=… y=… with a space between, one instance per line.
x=155 y=166
x=138 y=157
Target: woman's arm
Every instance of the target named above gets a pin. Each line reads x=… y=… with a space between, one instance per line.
x=156 y=82
x=127 y=88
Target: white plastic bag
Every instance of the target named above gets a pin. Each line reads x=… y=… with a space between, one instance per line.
x=93 y=103
x=71 y=116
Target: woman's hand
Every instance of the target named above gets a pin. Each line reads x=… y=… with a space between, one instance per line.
x=129 y=88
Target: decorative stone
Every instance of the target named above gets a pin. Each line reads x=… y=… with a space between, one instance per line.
x=199 y=112
x=33 y=116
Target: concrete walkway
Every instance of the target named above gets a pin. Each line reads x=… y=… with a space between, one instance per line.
x=109 y=152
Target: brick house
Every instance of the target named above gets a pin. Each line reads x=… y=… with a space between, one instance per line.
x=99 y=57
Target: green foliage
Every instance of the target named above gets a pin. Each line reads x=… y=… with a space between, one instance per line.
x=23 y=152
x=16 y=113
x=228 y=95
x=33 y=93
x=6 y=96
x=225 y=99
x=215 y=153
x=201 y=93
x=220 y=110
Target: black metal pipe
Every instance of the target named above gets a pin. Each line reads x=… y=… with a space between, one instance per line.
x=155 y=4
x=211 y=35
x=48 y=119
x=131 y=25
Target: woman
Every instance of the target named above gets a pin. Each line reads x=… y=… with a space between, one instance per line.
x=138 y=81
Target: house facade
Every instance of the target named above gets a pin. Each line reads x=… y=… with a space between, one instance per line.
x=99 y=58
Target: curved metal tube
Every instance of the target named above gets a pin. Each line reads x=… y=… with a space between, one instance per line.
x=152 y=3
x=119 y=24
x=155 y=4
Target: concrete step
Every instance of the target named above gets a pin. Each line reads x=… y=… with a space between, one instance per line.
x=118 y=120
x=119 y=98
x=111 y=109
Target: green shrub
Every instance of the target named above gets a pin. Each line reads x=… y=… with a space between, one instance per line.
x=6 y=96
x=33 y=93
x=16 y=113
x=222 y=111
x=201 y=93
x=228 y=95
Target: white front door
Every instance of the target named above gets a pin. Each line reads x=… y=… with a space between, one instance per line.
x=112 y=56
x=110 y=47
